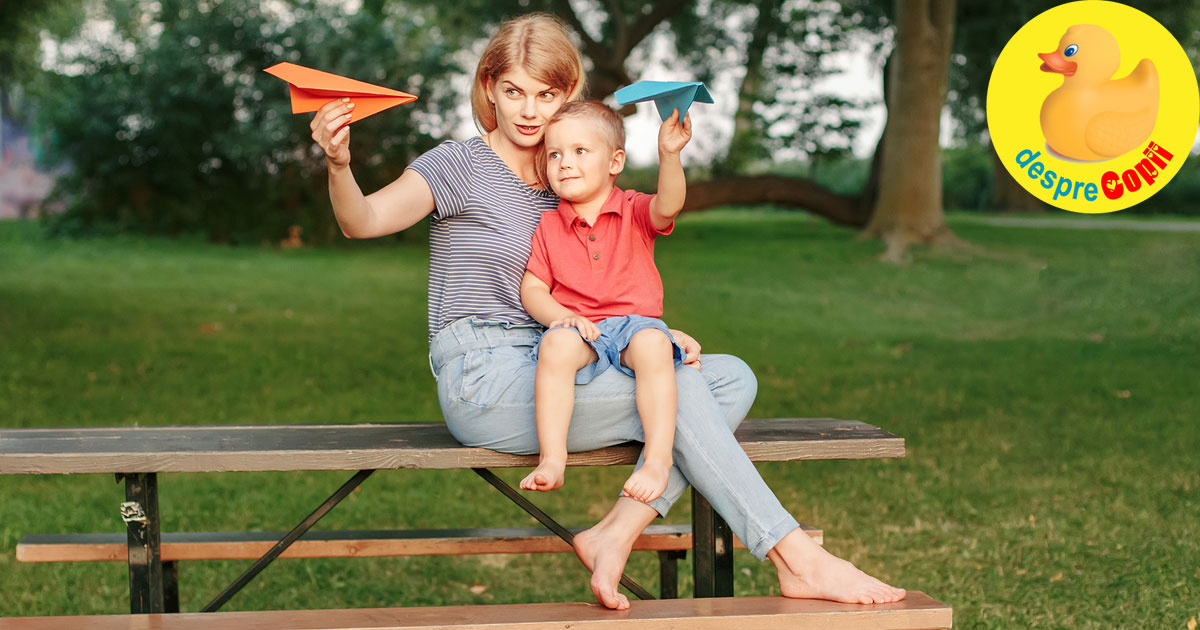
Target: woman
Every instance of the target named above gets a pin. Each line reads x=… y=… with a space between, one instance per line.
x=485 y=196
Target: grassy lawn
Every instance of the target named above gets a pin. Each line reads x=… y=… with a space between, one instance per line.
x=1047 y=390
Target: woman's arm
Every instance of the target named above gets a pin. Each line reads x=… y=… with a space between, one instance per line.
x=396 y=207
x=691 y=347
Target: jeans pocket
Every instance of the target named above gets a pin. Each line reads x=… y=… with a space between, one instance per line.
x=477 y=385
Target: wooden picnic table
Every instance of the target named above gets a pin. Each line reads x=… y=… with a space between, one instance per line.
x=138 y=454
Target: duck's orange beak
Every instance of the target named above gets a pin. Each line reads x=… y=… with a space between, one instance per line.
x=1056 y=62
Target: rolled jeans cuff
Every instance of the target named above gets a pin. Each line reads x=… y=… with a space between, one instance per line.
x=785 y=526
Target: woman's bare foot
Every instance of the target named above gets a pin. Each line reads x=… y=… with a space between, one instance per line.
x=648 y=482
x=547 y=476
x=604 y=548
x=807 y=571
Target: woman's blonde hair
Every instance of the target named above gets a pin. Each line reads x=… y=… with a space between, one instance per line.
x=537 y=43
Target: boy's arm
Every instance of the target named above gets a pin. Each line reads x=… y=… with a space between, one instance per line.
x=537 y=301
x=672 y=185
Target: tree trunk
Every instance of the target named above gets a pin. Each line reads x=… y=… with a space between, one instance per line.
x=1007 y=194
x=745 y=137
x=909 y=206
x=777 y=190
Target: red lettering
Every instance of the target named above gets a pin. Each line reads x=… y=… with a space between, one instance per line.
x=1111 y=185
x=1115 y=186
x=1131 y=180
x=1147 y=171
x=1159 y=150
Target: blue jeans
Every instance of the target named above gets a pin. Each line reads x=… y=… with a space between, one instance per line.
x=485 y=373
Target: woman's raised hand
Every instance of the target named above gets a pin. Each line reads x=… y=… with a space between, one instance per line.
x=331 y=130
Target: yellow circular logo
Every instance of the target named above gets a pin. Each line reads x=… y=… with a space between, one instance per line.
x=1092 y=106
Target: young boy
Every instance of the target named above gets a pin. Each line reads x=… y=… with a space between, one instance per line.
x=591 y=280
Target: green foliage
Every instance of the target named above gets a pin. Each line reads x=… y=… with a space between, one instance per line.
x=171 y=127
x=966 y=177
x=789 y=49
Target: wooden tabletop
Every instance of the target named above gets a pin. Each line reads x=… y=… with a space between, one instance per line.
x=916 y=611
x=376 y=446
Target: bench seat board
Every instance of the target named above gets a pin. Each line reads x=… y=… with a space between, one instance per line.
x=915 y=612
x=341 y=544
x=377 y=446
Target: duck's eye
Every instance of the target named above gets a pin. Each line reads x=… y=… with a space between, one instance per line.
x=1071 y=50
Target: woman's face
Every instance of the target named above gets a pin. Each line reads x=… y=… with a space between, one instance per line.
x=523 y=106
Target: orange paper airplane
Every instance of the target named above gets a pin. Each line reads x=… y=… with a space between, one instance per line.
x=311 y=89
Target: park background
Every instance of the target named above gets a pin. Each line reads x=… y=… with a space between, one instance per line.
x=184 y=268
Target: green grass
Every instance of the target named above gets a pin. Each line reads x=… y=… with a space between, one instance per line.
x=1047 y=391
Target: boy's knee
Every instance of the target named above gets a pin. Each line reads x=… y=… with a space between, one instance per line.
x=648 y=348
x=559 y=343
x=649 y=341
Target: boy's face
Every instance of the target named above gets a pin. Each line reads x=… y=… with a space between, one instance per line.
x=580 y=164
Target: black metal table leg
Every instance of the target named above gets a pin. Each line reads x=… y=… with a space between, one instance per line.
x=550 y=523
x=712 y=550
x=170 y=586
x=287 y=541
x=140 y=513
x=668 y=573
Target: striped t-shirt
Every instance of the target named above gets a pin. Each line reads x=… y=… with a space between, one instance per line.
x=479 y=233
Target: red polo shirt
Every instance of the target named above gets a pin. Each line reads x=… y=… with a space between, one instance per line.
x=602 y=270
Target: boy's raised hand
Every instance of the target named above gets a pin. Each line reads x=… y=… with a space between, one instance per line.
x=673 y=136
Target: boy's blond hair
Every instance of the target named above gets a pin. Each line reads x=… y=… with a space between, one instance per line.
x=537 y=43
x=607 y=122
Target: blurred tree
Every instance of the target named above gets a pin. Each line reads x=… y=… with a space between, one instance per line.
x=908 y=208
x=213 y=154
x=172 y=127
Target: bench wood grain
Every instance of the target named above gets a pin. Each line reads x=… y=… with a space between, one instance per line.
x=377 y=446
x=916 y=612
x=341 y=544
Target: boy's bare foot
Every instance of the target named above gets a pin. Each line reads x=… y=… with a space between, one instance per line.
x=547 y=476
x=648 y=482
x=604 y=552
x=818 y=574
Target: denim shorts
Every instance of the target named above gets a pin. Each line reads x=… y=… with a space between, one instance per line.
x=615 y=334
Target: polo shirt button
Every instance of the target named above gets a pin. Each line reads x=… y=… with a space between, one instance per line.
x=591 y=237
x=595 y=256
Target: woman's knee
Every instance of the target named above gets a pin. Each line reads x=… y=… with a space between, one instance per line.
x=732 y=384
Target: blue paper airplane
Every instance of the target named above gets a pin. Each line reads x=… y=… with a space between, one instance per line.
x=667 y=95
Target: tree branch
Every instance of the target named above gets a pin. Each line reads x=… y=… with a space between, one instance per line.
x=590 y=47
x=643 y=27
x=791 y=192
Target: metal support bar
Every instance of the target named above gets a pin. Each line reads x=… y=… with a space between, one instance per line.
x=550 y=523
x=287 y=540
x=712 y=544
x=170 y=586
x=140 y=513
x=668 y=573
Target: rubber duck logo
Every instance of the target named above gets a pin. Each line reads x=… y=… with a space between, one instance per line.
x=1092 y=116
x=1102 y=122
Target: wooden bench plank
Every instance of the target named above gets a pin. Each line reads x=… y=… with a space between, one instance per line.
x=916 y=612
x=341 y=544
x=377 y=446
